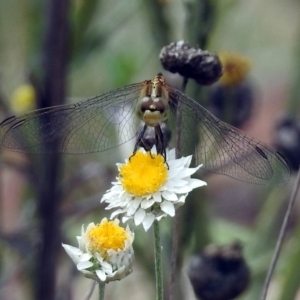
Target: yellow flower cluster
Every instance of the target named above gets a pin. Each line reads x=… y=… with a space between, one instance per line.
x=23 y=99
x=144 y=173
x=106 y=236
x=235 y=67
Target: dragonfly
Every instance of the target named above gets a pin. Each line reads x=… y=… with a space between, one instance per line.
x=111 y=119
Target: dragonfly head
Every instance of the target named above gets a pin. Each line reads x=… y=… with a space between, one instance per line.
x=153 y=105
x=152 y=111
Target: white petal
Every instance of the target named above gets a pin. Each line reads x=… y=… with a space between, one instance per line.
x=182 y=199
x=169 y=196
x=82 y=230
x=84 y=265
x=89 y=274
x=195 y=183
x=85 y=257
x=139 y=216
x=73 y=252
x=183 y=189
x=120 y=270
x=133 y=206
x=125 y=219
x=153 y=150
x=107 y=268
x=120 y=164
x=101 y=275
x=157 y=197
x=160 y=217
x=187 y=161
x=174 y=171
x=168 y=208
x=171 y=154
x=98 y=257
x=112 y=205
x=168 y=186
x=186 y=172
x=90 y=226
x=81 y=242
x=176 y=164
x=177 y=182
x=148 y=221
x=147 y=203
x=115 y=213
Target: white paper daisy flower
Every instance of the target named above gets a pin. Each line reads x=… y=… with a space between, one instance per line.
x=105 y=251
x=149 y=188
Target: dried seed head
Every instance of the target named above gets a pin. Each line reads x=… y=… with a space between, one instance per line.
x=232 y=104
x=287 y=140
x=219 y=273
x=190 y=62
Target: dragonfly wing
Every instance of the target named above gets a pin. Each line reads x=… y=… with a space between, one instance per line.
x=224 y=149
x=93 y=125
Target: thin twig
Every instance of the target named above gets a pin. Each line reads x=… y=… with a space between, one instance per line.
x=1 y=194
x=281 y=237
x=91 y=291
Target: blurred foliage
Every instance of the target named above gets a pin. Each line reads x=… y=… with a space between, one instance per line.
x=115 y=43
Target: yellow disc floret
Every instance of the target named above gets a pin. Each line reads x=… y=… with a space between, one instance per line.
x=235 y=67
x=106 y=236
x=144 y=173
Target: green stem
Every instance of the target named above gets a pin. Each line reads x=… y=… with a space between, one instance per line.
x=101 y=290
x=281 y=236
x=158 y=262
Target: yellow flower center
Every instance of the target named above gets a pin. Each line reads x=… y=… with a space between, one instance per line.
x=107 y=236
x=23 y=99
x=144 y=173
x=235 y=67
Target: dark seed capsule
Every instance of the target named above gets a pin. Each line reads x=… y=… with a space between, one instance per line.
x=232 y=104
x=191 y=62
x=219 y=273
x=287 y=141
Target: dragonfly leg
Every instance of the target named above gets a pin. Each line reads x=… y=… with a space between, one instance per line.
x=160 y=143
x=141 y=142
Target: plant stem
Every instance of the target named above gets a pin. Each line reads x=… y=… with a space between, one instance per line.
x=101 y=290
x=174 y=255
x=47 y=168
x=281 y=237
x=158 y=262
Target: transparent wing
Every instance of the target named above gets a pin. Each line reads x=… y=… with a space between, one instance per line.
x=224 y=149
x=92 y=125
